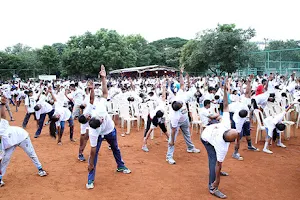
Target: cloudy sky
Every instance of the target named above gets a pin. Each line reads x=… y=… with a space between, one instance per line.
x=39 y=22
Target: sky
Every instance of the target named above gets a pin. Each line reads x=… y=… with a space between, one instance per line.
x=43 y=22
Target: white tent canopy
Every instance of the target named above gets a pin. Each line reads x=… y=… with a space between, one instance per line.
x=144 y=69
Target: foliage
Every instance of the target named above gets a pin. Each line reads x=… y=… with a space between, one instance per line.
x=223 y=49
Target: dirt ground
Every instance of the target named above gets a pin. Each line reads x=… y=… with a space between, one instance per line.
x=259 y=176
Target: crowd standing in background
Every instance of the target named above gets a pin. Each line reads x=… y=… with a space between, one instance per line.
x=223 y=108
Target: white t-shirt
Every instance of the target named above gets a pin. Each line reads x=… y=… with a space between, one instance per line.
x=214 y=135
x=78 y=97
x=271 y=121
x=65 y=114
x=11 y=135
x=45 y=108
x=30 y=103
x=262 y=99
x=107 y=125
x=204 y=113
x=182 y=114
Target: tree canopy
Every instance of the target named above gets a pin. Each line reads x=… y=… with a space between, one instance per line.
x=223 y=49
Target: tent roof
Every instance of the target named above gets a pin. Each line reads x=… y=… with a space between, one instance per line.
x=144 y=69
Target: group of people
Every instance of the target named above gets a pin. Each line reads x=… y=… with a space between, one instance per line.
x=226 y=106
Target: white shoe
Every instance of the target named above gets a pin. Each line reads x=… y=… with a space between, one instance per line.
x=267 y=151
x=89 y=185
x=194 y=150
x=171 y=161
x=2 y=183
x=145 y=148
x=281 y=145
x=42 y=173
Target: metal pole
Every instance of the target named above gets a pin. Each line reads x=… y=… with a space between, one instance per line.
x=268 y=61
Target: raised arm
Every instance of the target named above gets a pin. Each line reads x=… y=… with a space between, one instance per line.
x=248 y=88
x=102 y=74
x=164 y=95
x=188 y=80
x=181 y=78
x=52 y=95
x=92 y=92
x=225 y=98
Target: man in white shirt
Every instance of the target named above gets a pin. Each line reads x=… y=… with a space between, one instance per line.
x=206 y=116
x=59 y=118
x=10 y=138
x=77 y=99
x=7 y=95
x=274 y=127
x=102 y=127
x=216 y=139
x=239 y=117
x=30 y=103
x=42 y=109
x=83 y=120
x=156 y=118
x=179 y=119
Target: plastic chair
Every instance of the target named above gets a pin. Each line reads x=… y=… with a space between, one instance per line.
x=260 y=127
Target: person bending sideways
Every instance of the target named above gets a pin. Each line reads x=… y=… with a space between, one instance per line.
x=102 y=127
x=216 y=139
x=240 y=121
x=84 y=125
x=179 y=119
x=12 y=137
x=274 y=127
x=156 y=118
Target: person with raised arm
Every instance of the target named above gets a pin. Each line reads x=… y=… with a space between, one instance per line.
x=156 y=118
x=102 y=127
x=179 y=119
x=240 y=121
x=216 y=139
x=59 y=118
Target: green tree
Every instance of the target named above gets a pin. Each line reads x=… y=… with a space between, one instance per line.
x=223 y=49
x=49 y=58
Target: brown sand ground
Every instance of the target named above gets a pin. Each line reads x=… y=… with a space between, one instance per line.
x=259 y=176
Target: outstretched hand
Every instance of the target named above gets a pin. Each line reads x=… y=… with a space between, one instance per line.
x=182 y=69
x=102 y=72
x=90 y=85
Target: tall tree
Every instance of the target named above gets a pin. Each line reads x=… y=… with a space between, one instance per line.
x=219 y=50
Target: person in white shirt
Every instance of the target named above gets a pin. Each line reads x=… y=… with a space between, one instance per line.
x=84 y=125
x=206 y=115
x=7 y=95
x=216 y=139
x=179 y=119
x=12 y=137
x=30 y=103
x=59 y=118
x=77 y=99
x=102 y=127
x=274 y=127
x=239 y=117
x=42 y=109
x=156 y=118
